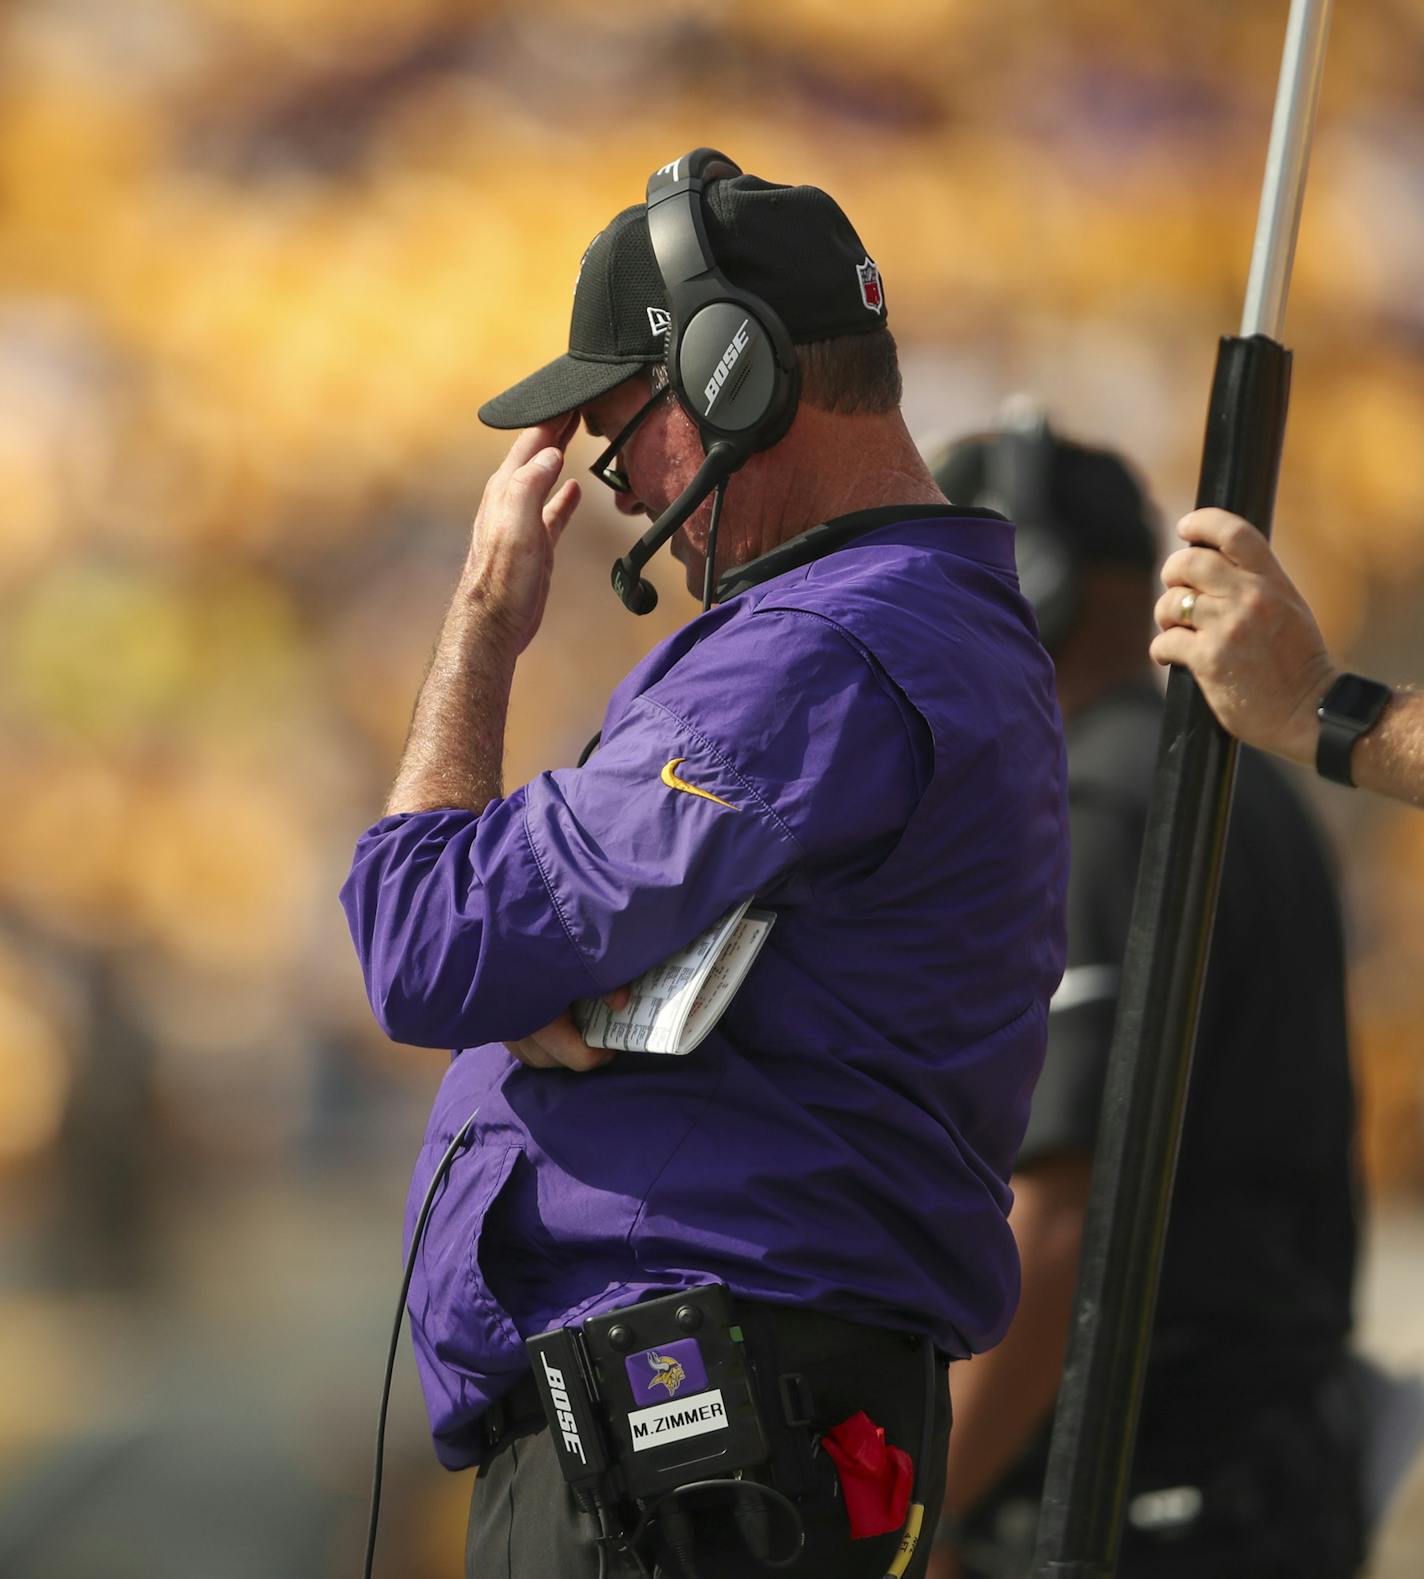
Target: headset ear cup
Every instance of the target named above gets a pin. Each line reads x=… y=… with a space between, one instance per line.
x=736 y=373
x=786 y=380
x=787 y=399
x=788 y=383
x=1048 y=578
x=726 y=363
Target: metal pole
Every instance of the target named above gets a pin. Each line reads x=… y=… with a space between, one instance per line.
x=1278 y=222
x=1149 y=1067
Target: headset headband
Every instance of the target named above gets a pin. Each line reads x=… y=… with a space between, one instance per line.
x=677 y=224
x=1020 y=461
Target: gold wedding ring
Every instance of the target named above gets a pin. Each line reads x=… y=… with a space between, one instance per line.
x=1185 y=610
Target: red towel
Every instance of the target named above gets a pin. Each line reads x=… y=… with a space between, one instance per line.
x=875 y=1476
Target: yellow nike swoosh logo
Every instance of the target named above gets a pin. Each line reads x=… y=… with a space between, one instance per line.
x=670 y=778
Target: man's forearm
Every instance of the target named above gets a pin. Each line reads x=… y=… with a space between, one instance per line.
x=1232 y=615
x=1390 y=758
x=454 y=754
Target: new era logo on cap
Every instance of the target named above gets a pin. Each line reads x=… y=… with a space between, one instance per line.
x=659 y=321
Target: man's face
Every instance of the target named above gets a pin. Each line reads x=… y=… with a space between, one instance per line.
x=659 y=461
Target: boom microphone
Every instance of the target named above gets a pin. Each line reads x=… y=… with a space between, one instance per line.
x=637 y=595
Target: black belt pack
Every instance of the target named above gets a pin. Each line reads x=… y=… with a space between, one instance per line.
x=653 y=1411
x=664 y=1411
x=648 y=1398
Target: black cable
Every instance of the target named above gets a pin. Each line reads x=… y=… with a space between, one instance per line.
x=750 y=1515
x=737 y=1488
x=627 y=1545
x=619 y=1541
x=914 y=1531
x=677 y=1534
x=709 y=576
x=441 y=1170
x=604 y=1535
x=931 y=1403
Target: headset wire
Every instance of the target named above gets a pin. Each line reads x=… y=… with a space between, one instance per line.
x=441 y=1170
x=709 y=578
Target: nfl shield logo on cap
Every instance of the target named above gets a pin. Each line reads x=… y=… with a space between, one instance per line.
x=870 y=293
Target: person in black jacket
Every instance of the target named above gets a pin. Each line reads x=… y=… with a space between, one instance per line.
x=1245 y=1464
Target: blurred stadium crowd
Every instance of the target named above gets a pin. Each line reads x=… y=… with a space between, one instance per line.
x=260 y=261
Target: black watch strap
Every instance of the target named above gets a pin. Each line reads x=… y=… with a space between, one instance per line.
x=1350 y=708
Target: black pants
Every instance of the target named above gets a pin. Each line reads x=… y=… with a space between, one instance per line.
x=1274 y=1489
x=524 y=1523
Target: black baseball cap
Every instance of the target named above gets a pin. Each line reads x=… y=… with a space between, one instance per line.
x=790 y=245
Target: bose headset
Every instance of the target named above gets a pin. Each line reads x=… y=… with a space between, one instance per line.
x=730 y=361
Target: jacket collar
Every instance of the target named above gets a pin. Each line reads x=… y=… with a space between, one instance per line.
x=837 y=533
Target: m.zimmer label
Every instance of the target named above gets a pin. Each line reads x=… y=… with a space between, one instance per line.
x=676 y=1419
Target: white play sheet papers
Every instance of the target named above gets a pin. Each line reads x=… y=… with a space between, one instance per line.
x=676 y=1003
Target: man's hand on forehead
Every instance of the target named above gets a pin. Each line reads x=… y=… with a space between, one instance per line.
x=517 y=529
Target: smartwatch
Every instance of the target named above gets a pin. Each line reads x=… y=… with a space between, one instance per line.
x=1349 y=709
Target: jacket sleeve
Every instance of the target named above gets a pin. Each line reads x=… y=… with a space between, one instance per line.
x=712 y=787
x=1106 y=840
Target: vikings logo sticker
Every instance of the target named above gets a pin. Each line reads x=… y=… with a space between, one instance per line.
x=871 y=294
x=664 y=1372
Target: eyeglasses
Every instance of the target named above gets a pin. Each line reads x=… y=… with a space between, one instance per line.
x=603 y=468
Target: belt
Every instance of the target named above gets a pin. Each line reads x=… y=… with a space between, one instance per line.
x=807 y=1337
x=790 y=1335
x=520 y=1412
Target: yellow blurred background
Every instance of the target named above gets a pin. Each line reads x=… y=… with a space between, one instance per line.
x=260 y=261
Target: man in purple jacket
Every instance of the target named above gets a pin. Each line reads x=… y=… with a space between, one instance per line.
x=862 y=734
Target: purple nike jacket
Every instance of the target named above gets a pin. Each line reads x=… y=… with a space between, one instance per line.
x=877 y=737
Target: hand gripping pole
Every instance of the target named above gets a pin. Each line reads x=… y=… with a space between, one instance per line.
x=1149 y=1067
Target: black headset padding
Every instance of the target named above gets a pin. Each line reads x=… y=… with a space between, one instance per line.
x=677 y=227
